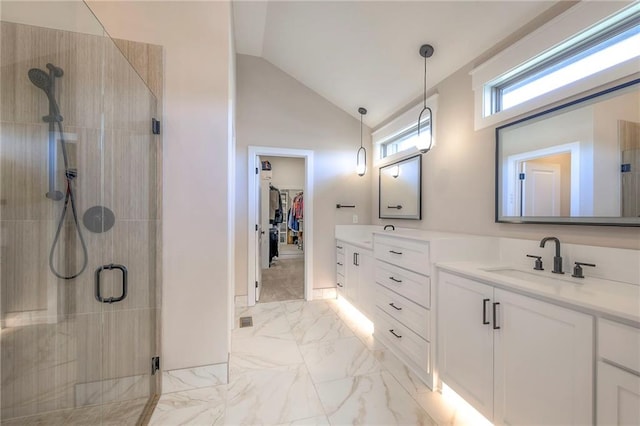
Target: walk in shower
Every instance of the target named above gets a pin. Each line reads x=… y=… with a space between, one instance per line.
x=79 y=215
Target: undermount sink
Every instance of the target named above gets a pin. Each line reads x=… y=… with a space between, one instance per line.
x=533 y=276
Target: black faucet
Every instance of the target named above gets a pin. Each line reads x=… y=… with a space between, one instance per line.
x=557 y=260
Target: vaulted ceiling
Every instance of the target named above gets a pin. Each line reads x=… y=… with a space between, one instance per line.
x=361 y=53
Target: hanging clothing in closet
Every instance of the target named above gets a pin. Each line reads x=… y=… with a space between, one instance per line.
x=275 y=205
x=296 y=212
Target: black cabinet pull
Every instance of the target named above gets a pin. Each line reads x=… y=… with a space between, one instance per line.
x=395 y=252
x=495 y=315
x=356 y=259
x=340 y=285
x=339 y=247
x=395 y=307
x=484 y=311
x=395 y=280
x=339 y=264
x=397 y=335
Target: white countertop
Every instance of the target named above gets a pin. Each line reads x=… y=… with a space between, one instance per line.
x=362 y=235
x=610 y=299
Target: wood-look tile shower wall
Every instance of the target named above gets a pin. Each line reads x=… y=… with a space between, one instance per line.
x=68 y=345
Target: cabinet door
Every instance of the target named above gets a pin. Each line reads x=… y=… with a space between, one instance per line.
x=543 y=363
x=351 y=273
x=618 y=396
x=465 y=344
x=366 y=284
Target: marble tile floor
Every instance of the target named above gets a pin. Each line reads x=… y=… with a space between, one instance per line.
x=308 y=363
x=125 y=413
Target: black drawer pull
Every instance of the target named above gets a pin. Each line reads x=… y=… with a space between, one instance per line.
x=395 y=252
x=395 y=280
x=397 y=335
x=339 y=247
x=340 y=285
x=484 y=311
x=395 y=307
x=495 y=321
x=339 y=264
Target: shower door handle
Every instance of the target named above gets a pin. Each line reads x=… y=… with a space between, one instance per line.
x=125 y=274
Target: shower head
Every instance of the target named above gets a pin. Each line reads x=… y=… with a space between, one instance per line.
x=46 y=81
x=41 y=79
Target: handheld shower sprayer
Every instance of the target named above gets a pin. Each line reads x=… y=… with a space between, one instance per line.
x=47 y=83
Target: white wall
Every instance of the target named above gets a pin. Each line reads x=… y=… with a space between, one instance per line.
x=458 y=180
x=196 y=138
x=276 y=110
x=287 y=173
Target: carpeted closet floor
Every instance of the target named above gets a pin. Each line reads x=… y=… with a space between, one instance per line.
x=284 y=280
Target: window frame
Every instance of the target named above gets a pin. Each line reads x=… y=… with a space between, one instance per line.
x=543 y=43
x=402 y=124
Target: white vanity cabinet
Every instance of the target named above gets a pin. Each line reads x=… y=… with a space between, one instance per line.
x=403 y=317
x=618 y=374
x=340 y=265
x=516 y=359
x=354 y=272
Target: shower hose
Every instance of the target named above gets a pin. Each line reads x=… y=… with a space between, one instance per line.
x=69 y=199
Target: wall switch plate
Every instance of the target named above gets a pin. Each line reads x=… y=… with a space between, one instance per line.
x=355 y=218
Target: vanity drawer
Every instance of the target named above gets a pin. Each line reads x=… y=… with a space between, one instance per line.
x=340 y=263
x=415 y=348
x=414 y=287
x=408 y=254
x=619 y=343
x=340 y=282
x=401 y=309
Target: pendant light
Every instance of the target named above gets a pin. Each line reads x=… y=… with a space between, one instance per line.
x=361 y=156
x=426 y=51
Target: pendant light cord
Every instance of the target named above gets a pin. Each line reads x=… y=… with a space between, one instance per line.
x=360 y=130
x=424 y=92
x=425 y=107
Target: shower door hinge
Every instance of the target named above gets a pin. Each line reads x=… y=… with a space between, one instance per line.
x=256 y=170
x=155 y=126
x=155 y=364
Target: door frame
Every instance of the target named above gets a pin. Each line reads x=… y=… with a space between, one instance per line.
x=252 y=184
x=511 y=183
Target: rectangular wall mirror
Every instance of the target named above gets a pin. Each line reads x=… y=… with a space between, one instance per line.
x=400 y=186
x=578 y=163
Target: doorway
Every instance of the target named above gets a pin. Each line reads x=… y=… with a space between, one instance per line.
x=280 y=223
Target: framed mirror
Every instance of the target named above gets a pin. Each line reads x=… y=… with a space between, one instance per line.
x=578 y=163
x=400 y=189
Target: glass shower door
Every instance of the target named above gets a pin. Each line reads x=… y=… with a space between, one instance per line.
x=77 y=208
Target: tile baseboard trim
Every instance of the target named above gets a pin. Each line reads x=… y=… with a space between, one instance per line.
x=195 y=377
x=324 y=293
